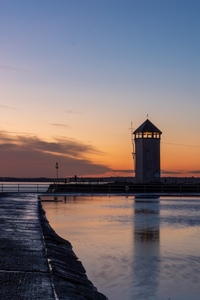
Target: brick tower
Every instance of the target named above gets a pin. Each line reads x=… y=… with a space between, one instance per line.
x=147 y=153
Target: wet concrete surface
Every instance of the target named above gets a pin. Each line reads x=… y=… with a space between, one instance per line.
x=35 y=263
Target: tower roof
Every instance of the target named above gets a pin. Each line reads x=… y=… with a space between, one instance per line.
x=147 y=126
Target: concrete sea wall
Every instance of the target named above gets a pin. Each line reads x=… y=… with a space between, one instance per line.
x=68 y=274
x=35 y=263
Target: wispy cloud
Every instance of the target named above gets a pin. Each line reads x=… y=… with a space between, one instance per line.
x=9 y=68
x=72 y=112
x=176 y=172
x=197 y=172
x=59 y=125
x=129 y=171
x=29 y=156
x=2 y=106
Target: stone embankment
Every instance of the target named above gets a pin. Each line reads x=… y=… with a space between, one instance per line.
x=35 y=263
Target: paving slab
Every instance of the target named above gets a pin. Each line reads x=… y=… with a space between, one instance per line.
x=24 y=269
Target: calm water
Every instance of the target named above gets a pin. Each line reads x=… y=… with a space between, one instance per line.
x=134 y=249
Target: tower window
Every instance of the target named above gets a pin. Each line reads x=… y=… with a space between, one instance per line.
x=147 y=135
x=156 y=135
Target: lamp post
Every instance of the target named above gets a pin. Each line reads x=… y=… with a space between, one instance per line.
x=57 y=170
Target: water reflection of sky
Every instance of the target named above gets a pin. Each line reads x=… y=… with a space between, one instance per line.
x=134 y=249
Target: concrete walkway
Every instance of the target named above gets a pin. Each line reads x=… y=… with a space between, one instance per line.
x=27 y=244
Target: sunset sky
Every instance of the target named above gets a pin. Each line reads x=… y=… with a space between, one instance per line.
x=74 y=74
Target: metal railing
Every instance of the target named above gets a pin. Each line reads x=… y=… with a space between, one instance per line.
x=23 y=187
x=98 y=188
x=125 y=188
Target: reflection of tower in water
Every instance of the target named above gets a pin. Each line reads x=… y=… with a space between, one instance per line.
x=146 y=220
x=146 y=248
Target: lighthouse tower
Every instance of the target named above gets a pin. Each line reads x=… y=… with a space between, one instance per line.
x=147 y=153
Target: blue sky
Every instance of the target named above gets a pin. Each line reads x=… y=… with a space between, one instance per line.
x=82 y=71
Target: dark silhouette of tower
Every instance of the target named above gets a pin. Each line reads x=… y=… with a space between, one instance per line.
x=147 y=153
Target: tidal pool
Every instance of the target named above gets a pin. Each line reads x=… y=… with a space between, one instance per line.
x=132 y=248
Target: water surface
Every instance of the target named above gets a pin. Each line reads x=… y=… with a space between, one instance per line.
x=134 y=248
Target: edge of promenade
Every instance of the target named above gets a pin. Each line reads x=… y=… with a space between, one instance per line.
x=36 y=263
x=68 y=274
